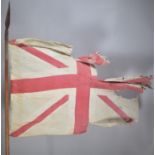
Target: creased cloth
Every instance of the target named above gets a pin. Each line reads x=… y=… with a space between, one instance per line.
x=53 y=93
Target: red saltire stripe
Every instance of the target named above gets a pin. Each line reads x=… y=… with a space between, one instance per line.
x=41 y=117
x=40 y=55
x=82 y=98
x=119 y=111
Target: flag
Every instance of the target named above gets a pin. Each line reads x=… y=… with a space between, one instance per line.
x=52 y=93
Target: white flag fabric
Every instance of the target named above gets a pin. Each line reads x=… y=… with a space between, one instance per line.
x=54 y=94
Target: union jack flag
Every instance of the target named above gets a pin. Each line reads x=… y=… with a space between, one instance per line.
x=54 y=94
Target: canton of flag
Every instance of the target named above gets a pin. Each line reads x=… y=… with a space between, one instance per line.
x=54 y=94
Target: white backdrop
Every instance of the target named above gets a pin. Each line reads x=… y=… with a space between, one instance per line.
x=123 y=31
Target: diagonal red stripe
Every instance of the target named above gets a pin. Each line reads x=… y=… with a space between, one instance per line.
x=120 y=112
x=41 y=117
x=40 y=55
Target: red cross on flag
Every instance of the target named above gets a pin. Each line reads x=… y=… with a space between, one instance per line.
x=54 y=94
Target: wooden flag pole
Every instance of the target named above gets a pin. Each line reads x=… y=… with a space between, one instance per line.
x=7 y=137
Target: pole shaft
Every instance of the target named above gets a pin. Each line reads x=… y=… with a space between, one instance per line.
x=7 y=137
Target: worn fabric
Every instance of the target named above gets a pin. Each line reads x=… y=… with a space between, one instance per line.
x=53 y=93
